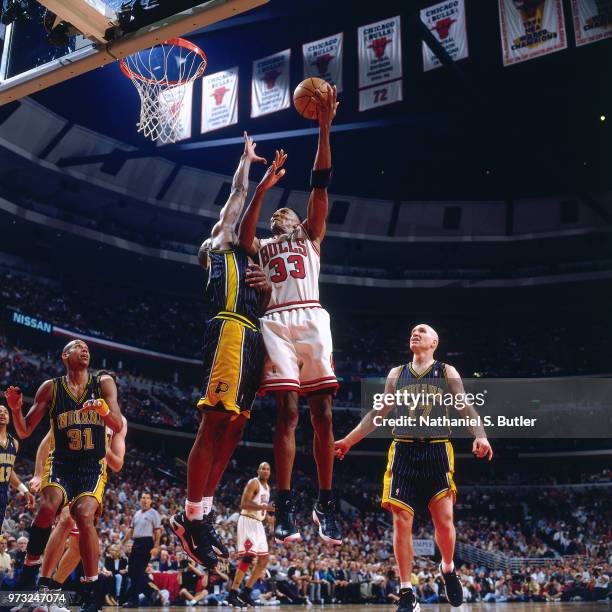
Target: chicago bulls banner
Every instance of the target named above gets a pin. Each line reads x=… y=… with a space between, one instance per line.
x=323 y=59
x=219 y=100
x=270 y=84
x=531 y=28
x=592 y=20
x=380 y=63
x=181 y=95
x=446 y=21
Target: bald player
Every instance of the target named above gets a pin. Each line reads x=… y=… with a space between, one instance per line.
x=251 y=542
x=420 y=467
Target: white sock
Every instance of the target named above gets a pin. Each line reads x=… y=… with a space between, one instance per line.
x=207 y=504
x=446 y=568
x=405 y=585
x=90 y=578
x=194 y=510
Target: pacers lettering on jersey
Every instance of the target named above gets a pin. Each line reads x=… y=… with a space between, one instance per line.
x=7 y=458
x=74 y=417
x=276 y=248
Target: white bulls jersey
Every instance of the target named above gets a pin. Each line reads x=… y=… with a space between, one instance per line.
x=261 y=497
x=291 y=263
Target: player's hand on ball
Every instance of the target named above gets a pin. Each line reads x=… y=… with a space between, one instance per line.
x=14 y=398
x=99 y=405
x=341 y=447
x=257 y=279
x=275 y=171
x=249 y=150
x=34 y=484
x=481 y=448
x=328 y=105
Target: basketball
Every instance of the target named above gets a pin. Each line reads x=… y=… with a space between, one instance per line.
x=305 y=99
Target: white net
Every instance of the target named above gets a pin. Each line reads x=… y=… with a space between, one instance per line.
x=163 y=76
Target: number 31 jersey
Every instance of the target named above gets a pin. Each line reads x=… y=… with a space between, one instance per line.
x=291 y=263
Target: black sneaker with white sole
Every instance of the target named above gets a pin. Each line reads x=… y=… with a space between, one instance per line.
x=285 y=530
x=245 y=595
x=324 y=516
x=453 y=588
x=234 y=600
x=195 y=538
x=219 y=548
x=408 y=602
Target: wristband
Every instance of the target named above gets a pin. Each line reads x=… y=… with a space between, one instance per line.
x=320 y=179
x=22 y=488
x=101 y=407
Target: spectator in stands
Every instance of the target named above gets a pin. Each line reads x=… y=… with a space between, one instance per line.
x=116 y=563
x=6 y=563
x=193 y=582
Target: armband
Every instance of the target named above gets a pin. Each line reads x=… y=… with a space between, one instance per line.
x=320 y=179
x=22 y=488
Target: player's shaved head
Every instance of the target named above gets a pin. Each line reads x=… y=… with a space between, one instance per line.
x=423 y=337
x=72 y=344
x=264 y=464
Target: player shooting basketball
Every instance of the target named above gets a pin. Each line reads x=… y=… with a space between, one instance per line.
x=237 y=293
x=296 y=329
x=421 y=463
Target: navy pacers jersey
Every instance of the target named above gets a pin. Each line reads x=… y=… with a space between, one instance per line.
x=429 y=388
x=73 y=434
x=227 y=290
x=8 y=453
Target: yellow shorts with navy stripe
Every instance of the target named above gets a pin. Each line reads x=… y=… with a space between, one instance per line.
x=233 y=362
x=418 y=473
x=76 y=477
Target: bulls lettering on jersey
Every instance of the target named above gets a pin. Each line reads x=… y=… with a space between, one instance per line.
x=291 y=263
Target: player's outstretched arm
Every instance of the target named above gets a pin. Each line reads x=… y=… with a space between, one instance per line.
x=321 y=172
x=14 y=398
x=106 y=406
x=481 y=447
x=41 y=457
x=19 y=486
x=248 y=225
x=115 y=454
x=223 y=235
x=367 y=424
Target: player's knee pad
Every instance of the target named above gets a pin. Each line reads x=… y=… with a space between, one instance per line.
x=245 y=563
x=39 y=536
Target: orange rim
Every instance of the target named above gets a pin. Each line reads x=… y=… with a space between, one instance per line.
x=177 y=42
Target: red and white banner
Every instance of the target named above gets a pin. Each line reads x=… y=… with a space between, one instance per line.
x=380 y=62
x=386 y=93
x=323 y=59
x=270 y=84
x=592 y=20
x=180 y=95
x=219 y=100
x=446 y=21
x=531 y=28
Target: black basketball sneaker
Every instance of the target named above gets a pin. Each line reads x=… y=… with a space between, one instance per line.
x=195 y=537
x=324 y=516
x=285 y=530
x=452 y=585
x=234 y=600
x=408 y=602
x=245 y=595
x=218 y=546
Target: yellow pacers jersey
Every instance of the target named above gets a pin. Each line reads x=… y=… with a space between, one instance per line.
x=74 y=434
x=227 y=290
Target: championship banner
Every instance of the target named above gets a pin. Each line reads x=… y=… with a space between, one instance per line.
x=531 y=28
x=592 y=20
x=219 y=100
x=270 y=84
x=380 y=52
x=183 y=96
x=446 y=21
x=380 y=95
x=323 y=59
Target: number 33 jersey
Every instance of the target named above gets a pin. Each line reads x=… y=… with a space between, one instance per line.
x=72 y=432
x=291 y=263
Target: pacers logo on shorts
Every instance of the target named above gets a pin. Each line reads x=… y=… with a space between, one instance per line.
x=222 y=387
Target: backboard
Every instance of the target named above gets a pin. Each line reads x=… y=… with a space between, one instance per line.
x=28 y=63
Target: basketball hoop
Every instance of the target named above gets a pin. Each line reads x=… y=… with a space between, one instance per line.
x=162 y=75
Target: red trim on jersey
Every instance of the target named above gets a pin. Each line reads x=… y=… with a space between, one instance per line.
x=74 y=533
x=330 y=385
x=318 y=380
x=295 y=306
